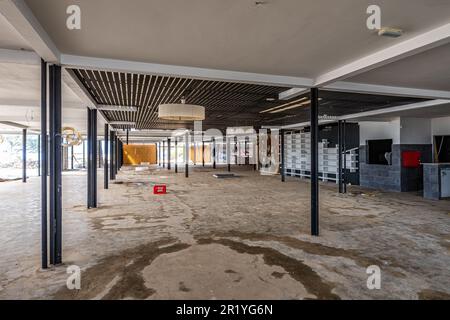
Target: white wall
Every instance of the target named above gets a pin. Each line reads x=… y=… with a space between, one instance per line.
x=404 y=130
x=440 y=127
x=377 y=130
x=415 y=131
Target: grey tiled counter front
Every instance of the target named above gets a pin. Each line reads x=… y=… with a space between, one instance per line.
x=432 y=180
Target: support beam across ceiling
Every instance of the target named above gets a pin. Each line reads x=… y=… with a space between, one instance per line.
x=418 y=44
x=17 y=13
x=409 y=107
x=19 y=56
x=71 y=61
x=342 y=86
x=72 y=81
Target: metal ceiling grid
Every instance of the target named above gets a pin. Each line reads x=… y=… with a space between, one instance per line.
x=226 y=103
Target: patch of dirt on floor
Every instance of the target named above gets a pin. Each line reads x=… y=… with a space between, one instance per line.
x=446 y=244
x=304 y=274
x=311 y=247
x=128 y=266
x=429 y=294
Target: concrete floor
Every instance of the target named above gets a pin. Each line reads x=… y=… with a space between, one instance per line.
x=241 y=238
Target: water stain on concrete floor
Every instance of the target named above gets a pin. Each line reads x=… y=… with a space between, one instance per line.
x=127 y=267
x=428 y=294
x=230 y=239
x=301 y=272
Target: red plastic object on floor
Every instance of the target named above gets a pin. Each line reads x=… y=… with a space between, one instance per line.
x=159 y=189
x=411 y=159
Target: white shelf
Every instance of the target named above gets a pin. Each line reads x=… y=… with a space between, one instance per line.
x=298 y=157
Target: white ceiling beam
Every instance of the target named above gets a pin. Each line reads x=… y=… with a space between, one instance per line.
x=342 y=86
x=22 y=19
x=378 y=112
x=22 y=118
x=17 y=103
x=292 y=93
x=415 y=45
x=13 y=124
x=19 y=56
x=408 y=107
x=75 y=85
x=72 y=61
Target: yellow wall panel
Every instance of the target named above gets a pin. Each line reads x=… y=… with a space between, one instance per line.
x=135 y=154
x=198 y=154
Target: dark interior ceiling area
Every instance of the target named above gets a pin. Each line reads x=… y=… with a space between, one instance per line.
x=334 y=104
x=226 y=103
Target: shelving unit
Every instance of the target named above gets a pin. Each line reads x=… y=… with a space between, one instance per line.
x=298 y=157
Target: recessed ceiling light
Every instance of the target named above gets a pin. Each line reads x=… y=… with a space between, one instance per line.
x=270 y=99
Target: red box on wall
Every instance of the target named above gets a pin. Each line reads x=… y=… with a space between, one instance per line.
x=411 y=159
x=159 y=189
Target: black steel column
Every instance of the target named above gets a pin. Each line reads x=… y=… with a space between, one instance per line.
x=100 y=154
x=214 y=152
x=176 y=154
x=128 y=135
x=84 y=154
x=246 y=162
x=282 y=157
x=228 y=153
x=71 y=157
x=92 y=159
x=203 y=150
x=24 y=155
x=236 y=150
x=256 y=151
x=117 y=148
x=186 y=157
x=121 y=154
x=339 y=174
x=89 y=154
x=39 y=154
x=314 y=118
x=168 y=154
x=159 y=154
x=105 y=167
x=112 y=171
x=195 y=151
x=55 y=166
x=44 y=166
x=164 y=154
x=344 y=171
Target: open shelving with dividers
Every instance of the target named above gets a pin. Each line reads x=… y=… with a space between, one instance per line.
x=298 y=157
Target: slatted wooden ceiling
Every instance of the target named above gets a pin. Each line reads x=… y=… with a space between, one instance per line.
x=226 y=103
